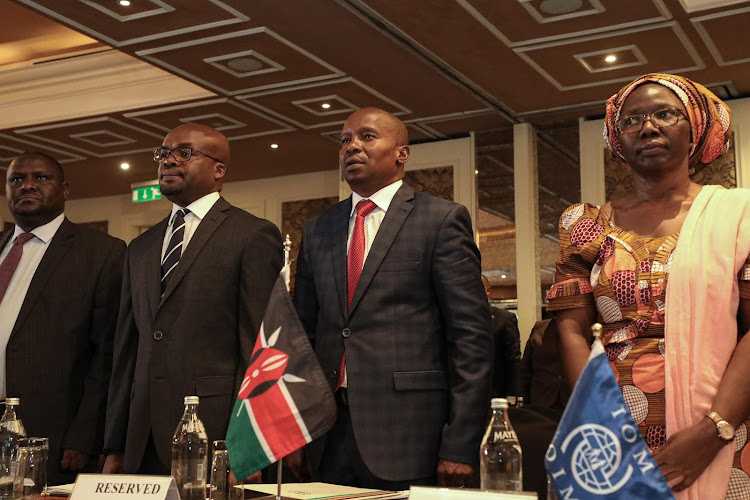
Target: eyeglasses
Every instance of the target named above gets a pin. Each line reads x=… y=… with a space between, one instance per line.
x=180 y=154
x=662 y=118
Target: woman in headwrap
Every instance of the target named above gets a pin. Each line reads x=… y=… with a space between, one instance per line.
x=665 y=269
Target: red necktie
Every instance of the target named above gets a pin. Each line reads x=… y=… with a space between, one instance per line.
x=354 y=261
x=10 y=264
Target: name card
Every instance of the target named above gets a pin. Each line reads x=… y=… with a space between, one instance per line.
x=434 y=493
x=123 y=486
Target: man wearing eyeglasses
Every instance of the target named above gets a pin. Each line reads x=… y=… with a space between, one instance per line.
x=195 y=290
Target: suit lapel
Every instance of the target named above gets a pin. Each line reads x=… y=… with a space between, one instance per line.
x=206 y=228
x=59 y=244
x=397 y=213
x=339 y=234
x=152 y=267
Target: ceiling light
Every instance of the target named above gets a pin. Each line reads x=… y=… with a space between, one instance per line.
x=611 y=58
x=274 y=146
x=560 y=6
x=124 y=166
x=325 y=105
x=503 y=276
x=244 y=64
x=125 y=3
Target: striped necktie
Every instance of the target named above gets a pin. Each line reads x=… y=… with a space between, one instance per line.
x=174 y=249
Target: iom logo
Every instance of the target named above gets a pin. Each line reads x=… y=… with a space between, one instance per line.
x=595 y=459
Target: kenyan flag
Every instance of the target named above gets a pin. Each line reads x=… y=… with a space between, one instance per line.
x=284 y=401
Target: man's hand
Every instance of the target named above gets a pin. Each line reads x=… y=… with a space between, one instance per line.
x=677 y=458
x=113 y=463
x=456 y=474
x=296 y=464
x=73 y=461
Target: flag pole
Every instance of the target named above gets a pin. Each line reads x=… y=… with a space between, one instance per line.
x=287 y=248
x=278 y=479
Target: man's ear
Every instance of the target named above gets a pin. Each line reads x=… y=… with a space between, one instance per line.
x=403 y=154
x=219 y=170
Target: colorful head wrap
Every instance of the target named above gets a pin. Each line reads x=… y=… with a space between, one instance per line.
x=710 y=119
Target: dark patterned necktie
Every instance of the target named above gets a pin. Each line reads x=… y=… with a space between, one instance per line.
x=174 y=249
x=354 y=262
x=10 y=264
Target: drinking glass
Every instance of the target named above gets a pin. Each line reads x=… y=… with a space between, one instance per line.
x=219 y=489
x=35 y=451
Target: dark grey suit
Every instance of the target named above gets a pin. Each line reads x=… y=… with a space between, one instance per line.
x=418 y=349
x=197 y=340
x=59 y=354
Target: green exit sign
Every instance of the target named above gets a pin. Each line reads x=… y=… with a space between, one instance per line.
x=146 y=193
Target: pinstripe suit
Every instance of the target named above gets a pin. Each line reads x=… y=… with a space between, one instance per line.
x=418 y=349
x=59 y=354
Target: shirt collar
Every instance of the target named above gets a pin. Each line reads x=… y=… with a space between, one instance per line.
x=45 y=232
x=381 y=198
x=199 y=207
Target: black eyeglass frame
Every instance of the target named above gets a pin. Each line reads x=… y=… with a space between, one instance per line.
x=159 y=154
x=650 y=116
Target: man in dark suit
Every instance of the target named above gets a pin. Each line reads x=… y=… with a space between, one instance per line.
x=413 y=386
x=58 y=310
x=194 y=291
x=507 y=340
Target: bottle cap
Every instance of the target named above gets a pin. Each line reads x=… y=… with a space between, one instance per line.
x=499 y=403
x=192 y=400
x=12 y=401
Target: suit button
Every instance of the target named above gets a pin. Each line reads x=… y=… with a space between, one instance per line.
x=158 y=335
x=346 y=332
x=333 y=374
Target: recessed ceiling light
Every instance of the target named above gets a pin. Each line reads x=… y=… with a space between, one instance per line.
x=274 y=146
x=503 y=276
x=611 y=58
x=124 y=166
x=244 y=64
x=325 y=105
x=125 y=3
x=560 y=6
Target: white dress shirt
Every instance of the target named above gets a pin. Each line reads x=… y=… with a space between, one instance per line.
x=33 y=251
x=382 y=199
x=198 y=210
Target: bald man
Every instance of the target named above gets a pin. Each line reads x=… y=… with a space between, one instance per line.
x=195 y=287
x=389 y=290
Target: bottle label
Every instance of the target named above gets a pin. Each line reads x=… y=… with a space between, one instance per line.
x=505 y=436
x=199 y=472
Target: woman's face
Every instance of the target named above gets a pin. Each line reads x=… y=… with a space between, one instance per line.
x=653 y=147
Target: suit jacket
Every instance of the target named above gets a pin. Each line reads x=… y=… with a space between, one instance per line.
x=198 y=338
x=59 y=355
x=507 y=365
x=542 y=380
x=418 y=350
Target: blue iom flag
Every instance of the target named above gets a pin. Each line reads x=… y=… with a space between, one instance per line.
x=597 y=450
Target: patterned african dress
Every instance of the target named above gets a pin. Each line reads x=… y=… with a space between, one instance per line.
x=625 y=277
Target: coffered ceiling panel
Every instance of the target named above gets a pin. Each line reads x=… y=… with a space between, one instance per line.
x=719 y=33
x=243 y=61
x=303 y=105
x=579 y=63
x=235 y=120
x=141 y=21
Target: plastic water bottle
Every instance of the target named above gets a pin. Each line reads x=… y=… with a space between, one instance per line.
x=500 y=466
x=11 y=430
x=190 y=453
